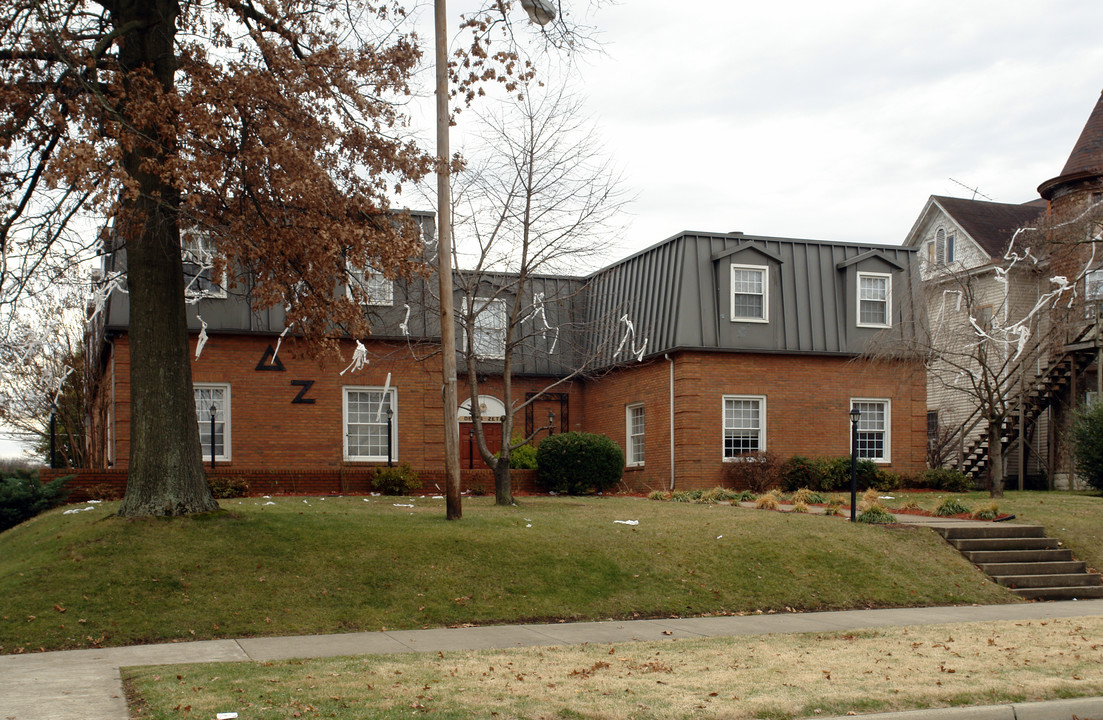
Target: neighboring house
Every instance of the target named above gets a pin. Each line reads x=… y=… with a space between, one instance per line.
x=964 y=248
x=701 y=349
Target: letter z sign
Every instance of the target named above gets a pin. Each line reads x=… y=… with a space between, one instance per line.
x=301 y=398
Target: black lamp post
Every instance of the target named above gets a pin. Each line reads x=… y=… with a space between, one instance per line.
x=214 y=411
x=551 y=423
x=390 y=445
x=855 y=414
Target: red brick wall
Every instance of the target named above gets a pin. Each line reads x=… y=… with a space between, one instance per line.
x=807 y=401
x=268 y=430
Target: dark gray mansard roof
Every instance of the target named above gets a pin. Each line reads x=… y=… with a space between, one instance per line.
x=676 y=295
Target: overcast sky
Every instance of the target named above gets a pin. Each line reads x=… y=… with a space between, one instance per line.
x=834 y=121
x=830 y=121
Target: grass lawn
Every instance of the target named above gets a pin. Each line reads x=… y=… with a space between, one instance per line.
x=309 y=565
x=775 y=676
x=1076 y=519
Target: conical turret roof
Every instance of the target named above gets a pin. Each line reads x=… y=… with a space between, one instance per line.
x=1086 y=159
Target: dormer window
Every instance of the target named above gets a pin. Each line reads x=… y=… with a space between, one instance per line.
x=377 y=289
x=750 y=293
x=874 y=299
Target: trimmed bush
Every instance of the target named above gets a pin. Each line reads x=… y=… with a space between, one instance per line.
x=523 y=458
x=1087 y=445
x=22 y=496
x=399 y=480
x=577 y=463
x=800 y=472
x=946 y=479
x=228 y=487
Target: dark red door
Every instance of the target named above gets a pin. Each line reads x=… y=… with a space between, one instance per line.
x=469 y=447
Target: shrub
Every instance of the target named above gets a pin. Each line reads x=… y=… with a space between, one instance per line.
x=658 y=495
x=103 y=492
x=951 y=506
x=398 y=480
x=755 y=471
x=522 y=457
x=799 y=472
x=945 y=479
x=1087 y=445
x=686 y=496
x=869 y=500
x=22 y=496
x=987 y=512
x=747 y=496
x=831 y=474
x=223 y=487
x=576 y=463
x=887 y=480
x=766 y=502
x=808 y=497
x=719 y=494
x=875 y=514
x=800 y=507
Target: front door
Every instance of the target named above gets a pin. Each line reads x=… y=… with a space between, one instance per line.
x=469 y=446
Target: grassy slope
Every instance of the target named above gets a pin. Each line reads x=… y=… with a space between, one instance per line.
x=338 y=565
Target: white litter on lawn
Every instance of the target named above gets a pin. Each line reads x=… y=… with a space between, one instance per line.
x=402 y=505
x=74 y=511
x=627 y=522
x=885 y=497
x=93 y=502
x=269 y=503
x=719 y=536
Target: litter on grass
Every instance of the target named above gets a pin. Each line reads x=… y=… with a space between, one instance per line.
x=402 y=505
x=74 y=511
x=269 y=503
x=627 y=522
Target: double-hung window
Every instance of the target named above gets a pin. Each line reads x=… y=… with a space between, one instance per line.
x=873 y=432
x=369 y=425
x=377 y=290
x=750 y=293
x=210 y=396
x=489 y=336
x=874 y=299
x=744 y=425
x=634 y=427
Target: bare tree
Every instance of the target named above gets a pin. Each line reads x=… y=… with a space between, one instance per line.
x=538 y=203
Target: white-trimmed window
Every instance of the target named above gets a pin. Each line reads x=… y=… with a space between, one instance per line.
x=940 y=246
x=634 y=429
x=744 y=425
x=874 y=299
x=949 y=248
x=366 y=423
x=874 y=428
x=197 y=254
x=217 y=396
x=489 y=337
x=750 y=293
x=377 y=289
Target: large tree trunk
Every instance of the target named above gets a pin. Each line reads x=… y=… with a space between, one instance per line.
x=166 y=470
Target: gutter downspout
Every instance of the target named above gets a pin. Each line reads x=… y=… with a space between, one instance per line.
x=671 y=361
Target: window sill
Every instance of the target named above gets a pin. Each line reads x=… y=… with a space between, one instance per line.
x=759 y=321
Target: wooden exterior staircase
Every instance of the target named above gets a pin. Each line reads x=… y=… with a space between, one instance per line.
x=1041 y=391
x=1023 y=559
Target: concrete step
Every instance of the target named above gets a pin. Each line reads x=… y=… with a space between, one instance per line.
x=991 y=530
x=1060 y=580
x=1060 y=593
x=1047 y=568
x=1016 y=556
x=1006 y=543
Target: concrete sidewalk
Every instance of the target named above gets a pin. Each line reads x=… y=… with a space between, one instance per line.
x=85 y=684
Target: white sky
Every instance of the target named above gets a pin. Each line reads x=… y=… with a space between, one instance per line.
x=832 y=121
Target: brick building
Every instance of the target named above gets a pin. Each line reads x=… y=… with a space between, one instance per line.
x=737 y=344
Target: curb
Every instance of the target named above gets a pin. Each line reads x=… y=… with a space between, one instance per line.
x=1076 y=708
